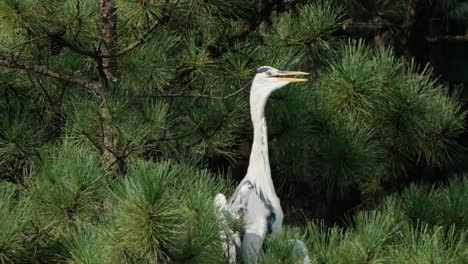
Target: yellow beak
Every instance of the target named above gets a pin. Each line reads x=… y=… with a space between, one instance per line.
x=283 y=76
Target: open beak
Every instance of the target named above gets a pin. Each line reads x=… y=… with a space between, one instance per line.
x=283 y=75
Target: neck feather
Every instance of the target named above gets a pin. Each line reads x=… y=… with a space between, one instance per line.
x=259 y=165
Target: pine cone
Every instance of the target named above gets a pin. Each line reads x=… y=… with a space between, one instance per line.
x=55 y=42
x=55 y=45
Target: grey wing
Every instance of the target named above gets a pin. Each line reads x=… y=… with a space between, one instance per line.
x=246 y=204
x=239 y=201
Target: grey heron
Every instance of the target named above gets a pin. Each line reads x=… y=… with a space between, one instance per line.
x=255 y=200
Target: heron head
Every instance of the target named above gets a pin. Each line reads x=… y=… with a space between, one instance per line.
x=269 y=79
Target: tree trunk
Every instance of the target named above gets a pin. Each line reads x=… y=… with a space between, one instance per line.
x=108 y=28
x=109 y=78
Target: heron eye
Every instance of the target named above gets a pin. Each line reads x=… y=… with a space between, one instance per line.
x=269 y=73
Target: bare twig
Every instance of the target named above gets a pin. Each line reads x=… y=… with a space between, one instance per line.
x=122 y=156
x=73 y=45
x=43 y=70
x=217 y=128
x=184 y=134
x=447 y=37
x=147 y=34
x=189 y=133
x=95 y=144
x=350 y=25
x=201 y=95
x=39 y=232
x=29 y=41
x=44 y=91
x=145 y=37
x=253 y=23
x=78 y=12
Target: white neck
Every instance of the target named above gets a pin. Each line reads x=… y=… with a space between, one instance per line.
x=259 y=165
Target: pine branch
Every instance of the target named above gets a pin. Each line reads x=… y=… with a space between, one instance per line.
x=202 y=95
x=217 y=49
x=433 y=39
x=74 y=46
x=44 y=91
x=221 y=124
x=93 y=54
x=144 y=38
x=45 y=71
x=146 y=35
x=189 y=133
x=109 y=139
x=253 y=23
x=365 y=29
x=368 y=26
x=71 y=209
x=39 y=232
x=95 y=88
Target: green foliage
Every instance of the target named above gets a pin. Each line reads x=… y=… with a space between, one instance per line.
x=180 y=99
x=19 y=138
x=87 y=245
x=311 y=28
x=165 y=211
x=16 y=13
x=372 y=105
x=385 y=235
x=149 y=68
x=454 y=12
x=444 y=124
x=370 y=232
x=83 y=126
x=146 y=217
x=352 y=78
x=436 y=206
x=200 y=241
x=285 y=246
x=14 y=216
x=452 y=203
x=421 y=244
x=323 y=242
x=69 y=188
x=389 y=235
x=380 y=10
x=345 y=157
x=135 y=14
x=417 y=205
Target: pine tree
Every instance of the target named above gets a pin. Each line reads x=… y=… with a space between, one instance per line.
x=122 y=119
